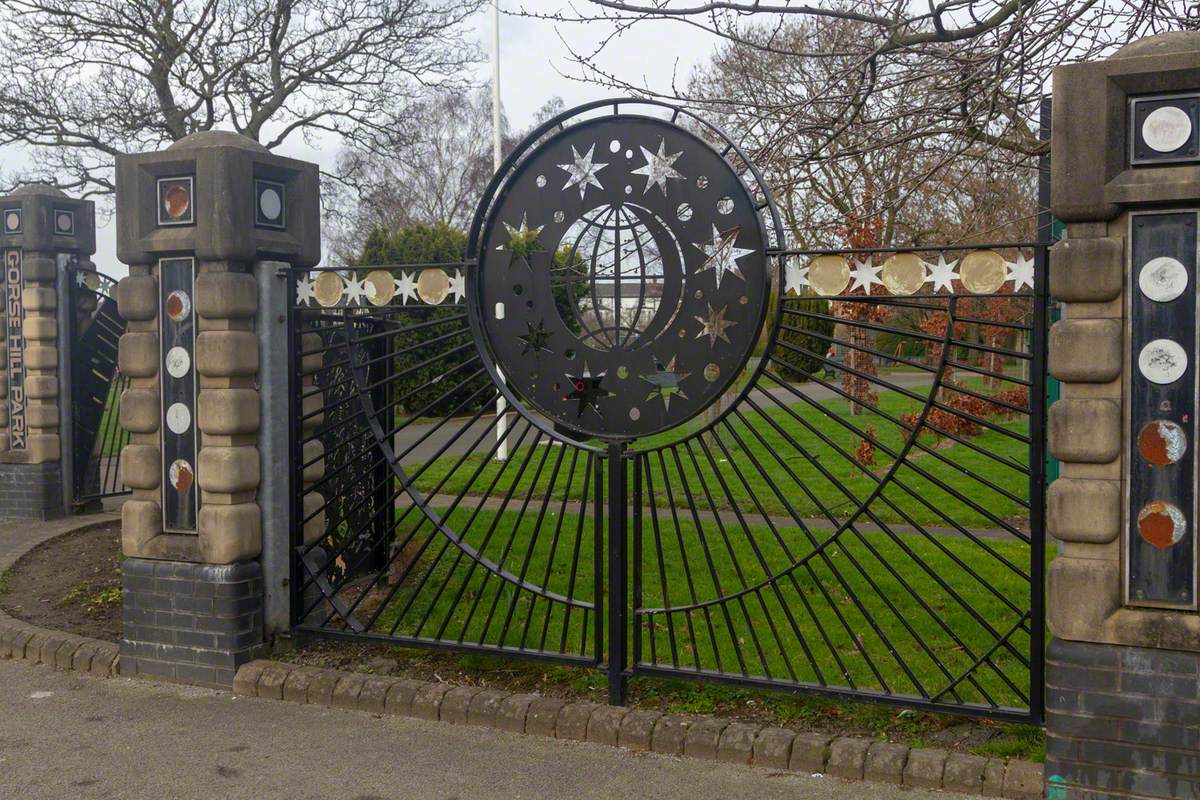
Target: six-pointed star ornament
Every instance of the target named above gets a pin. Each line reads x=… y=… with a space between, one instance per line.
x=666 y=382
x=942 y=274
x=356 y=290
x=304 y=291
x=406 y=287
x=721 y=255
x=795 y=277
x=1020 y=272
x=582 y=171
x=658 y=168
x=865 y=275
x=715 y=325
x=536 y=339
x=586 y=389
x=458 y=286
x=522 y=242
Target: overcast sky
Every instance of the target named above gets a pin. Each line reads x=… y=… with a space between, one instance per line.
x=534 y=55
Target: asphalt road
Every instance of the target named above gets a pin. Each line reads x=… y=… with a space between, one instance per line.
x=68 y=736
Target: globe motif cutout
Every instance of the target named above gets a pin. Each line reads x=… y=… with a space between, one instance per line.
x=621 y=277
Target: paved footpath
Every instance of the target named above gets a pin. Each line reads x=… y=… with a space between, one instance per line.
x=71 y=736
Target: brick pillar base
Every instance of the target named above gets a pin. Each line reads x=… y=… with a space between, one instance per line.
x=31 y=491
x=193 y=623
x=1121 y=722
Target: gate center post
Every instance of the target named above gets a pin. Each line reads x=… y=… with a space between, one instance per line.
x=618 y=564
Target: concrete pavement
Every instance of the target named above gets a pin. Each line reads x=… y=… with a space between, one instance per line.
x=72 y=736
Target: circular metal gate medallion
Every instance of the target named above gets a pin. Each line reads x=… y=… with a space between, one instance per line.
x=622 y=277
x=1166 y=129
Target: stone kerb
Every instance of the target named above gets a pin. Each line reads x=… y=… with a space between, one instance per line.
x=193 y=224
x=41 y=231
x=1110 y=164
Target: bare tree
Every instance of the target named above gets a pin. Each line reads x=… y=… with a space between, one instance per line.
x=434 y=174
x=820 y=89
x=84 y=80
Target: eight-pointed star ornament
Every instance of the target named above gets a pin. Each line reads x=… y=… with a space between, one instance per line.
x=666 y=382
x=582 y=171
x=715 y=325
x=721 y=255
x=586 y=389
x=304 y=291
x=658 y=168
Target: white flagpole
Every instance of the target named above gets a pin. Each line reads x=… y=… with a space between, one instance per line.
x=501 y=403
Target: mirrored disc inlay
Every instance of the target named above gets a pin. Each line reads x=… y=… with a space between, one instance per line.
x=1166 y=129
x=1163 y=279
x=903 y=273
x=178 y=306
x=270 y=204
x=181 y=475
x=328 y=288
x=983 y=272
x=1161 y=524
x=828 y=275
x=380 y=286
x=1162 y=361
x=1161 y=442
x=179 y=418
x=433 y=285
x=178 y=362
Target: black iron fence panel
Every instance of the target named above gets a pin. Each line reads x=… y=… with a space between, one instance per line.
x=97 y=384
x=634 y=431
x=416 y=532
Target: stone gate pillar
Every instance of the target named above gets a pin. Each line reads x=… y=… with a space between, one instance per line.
x=41 y=232
x=1123 y=669
x=195 y=222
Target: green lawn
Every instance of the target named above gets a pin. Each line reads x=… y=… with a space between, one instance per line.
x=777 y=457
x=871 y=611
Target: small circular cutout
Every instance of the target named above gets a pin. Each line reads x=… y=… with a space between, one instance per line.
x=614 y=146
x=725 y=205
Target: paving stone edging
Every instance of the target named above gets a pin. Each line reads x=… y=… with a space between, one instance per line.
x=66 y=651
x=713 y=738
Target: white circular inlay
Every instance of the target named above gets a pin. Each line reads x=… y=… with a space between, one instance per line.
x=63 y=222
x=270 y=204
x=1166 y=129
x=1163 y=279
x=1162 y=361
x=178 y=362
x=12 y=221
x=179 y=418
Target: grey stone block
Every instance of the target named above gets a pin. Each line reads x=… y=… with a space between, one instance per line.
x=703 y=738
x=295 y=688
x=847 y=757
x=604 y=725
x=670 y=733
x=456 y=704
x=346 y=690
x=885 y=762
x=321 y=686
x=427 y=702
x=993 y=778
x=373 y=697
x=925 y=767
x=773 y=748
x=542 y=716
x=736 y=745
x=270 y=683
x=511 y=714
x=400 y=697
x=1023 y=781
x=637 y=729
x=810 y=752
x=964 y=773
x=573 y=721
x=484 y=708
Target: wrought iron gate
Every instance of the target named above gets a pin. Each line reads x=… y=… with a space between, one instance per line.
x=97 y=437
x=722 y=459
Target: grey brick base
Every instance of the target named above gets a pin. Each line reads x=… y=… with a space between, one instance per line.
x=191 y=623
x=1121 y=722
x=31 y=491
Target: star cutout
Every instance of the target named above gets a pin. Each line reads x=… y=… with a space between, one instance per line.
x=523 y=241
x=80 y=279
x=458 y=286
x=865 y=275
x=583 y=171
x=795 y=277
x=304 y=291
x=665 y=381
x=356 y=290
x=586 y=389
x=715 y=325
x=658 y=168
x=721 y=255
x=1020 y=273
x=942 y=274
x=536 y=339
x=406 y=287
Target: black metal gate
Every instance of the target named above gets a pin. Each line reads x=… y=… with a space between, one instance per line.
x=97 y=437
x=849 y=502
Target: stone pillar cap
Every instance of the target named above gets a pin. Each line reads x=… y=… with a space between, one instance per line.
x=37 y=189
x=217 y=139
x=1162 y=44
